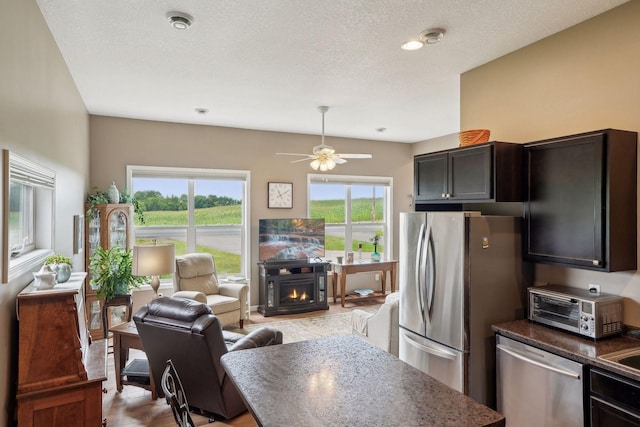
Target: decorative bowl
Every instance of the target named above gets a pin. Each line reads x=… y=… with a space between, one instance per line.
x=473 y=136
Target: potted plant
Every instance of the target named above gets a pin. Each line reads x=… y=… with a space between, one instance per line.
x=375 y=256
x=111 y=272
x=101 y=197
x=61 y=265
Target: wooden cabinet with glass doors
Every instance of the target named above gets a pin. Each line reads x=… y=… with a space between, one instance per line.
x=108 y=226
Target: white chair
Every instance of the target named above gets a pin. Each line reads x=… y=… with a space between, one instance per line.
x=196 y=278
x=382 y=327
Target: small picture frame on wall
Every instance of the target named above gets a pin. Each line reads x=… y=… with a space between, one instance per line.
x=78 y=234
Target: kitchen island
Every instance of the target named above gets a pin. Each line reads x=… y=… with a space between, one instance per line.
x=345 y=381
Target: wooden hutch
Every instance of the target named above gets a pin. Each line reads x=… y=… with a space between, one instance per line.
x=60 y=371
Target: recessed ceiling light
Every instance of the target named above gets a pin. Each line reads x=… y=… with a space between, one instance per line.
x=180 y=20
x=430 y=36
x=202 y=111
x=412 y=45
x=381 y=130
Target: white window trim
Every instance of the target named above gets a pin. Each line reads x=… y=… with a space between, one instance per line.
x=31 y=173
x=386 y=181
x=196 y=173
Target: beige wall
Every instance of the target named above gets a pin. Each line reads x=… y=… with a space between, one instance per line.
x=117 y=142
x=582 y=79
x=41 y=118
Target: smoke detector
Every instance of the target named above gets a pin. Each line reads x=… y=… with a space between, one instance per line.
x=180 y=20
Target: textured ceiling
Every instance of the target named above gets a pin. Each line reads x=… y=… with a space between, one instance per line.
x=267 y=64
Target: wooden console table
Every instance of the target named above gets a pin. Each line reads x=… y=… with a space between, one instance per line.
x=125 y=336
x=340 y=272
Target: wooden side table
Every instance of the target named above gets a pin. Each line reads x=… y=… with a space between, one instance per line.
x=125 y=336
x=340 y=272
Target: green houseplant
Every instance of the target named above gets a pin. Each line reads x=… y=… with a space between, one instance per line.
x=111 y=272
x=61 y=264
x=101 y=197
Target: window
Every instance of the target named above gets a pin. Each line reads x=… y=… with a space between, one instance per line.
x=29 y=207
x=199 y=210
x=355 y=209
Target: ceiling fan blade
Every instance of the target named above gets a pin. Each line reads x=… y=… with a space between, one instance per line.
x=302 y=160
x=353 y=156
x=296 y=154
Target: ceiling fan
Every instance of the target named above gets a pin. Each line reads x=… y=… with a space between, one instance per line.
x=323 y=156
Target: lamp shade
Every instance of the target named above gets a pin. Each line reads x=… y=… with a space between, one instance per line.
x=153 y=260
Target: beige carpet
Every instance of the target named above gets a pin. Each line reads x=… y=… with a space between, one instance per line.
x=308 y=327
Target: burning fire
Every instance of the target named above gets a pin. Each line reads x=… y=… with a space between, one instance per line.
x=294 y=295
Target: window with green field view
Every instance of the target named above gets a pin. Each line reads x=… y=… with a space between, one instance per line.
x=197 y=210
x=356 y=213
x=30 y=201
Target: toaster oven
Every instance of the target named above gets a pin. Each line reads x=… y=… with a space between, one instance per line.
x=594 y=315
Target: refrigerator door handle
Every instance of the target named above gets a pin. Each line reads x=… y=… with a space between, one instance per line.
x=436 y=351
x=431 y=264
x=524 y=358
x=419 y=271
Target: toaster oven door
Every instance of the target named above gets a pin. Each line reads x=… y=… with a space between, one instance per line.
x=555 y=311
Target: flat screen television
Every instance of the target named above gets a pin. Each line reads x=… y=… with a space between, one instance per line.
x=290 y=239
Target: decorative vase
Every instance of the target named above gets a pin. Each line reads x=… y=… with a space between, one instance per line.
x=63 y=271
x=375 y=256
x=113 y=194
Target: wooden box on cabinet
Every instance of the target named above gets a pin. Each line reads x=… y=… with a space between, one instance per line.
x=580 y=209
x=111 y=225
x=488 y=172
x=60 y=373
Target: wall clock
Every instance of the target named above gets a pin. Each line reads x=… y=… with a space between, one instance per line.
x=280 y=195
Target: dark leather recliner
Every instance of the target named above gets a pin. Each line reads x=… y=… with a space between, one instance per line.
x=188 y=333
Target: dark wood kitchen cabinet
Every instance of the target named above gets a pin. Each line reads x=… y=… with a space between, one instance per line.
x=580 y=209
x=488 y=172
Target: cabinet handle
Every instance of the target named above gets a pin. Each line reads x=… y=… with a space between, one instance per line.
x=448 y=195
x=444 y=196
x=596 y=262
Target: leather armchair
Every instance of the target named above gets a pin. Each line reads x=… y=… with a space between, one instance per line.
x=196 y=278
x=191 y=336
x=381 y=328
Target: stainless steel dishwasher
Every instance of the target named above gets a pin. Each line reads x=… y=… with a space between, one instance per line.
x=537 y=388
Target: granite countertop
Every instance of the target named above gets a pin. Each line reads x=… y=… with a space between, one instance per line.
x=574 y=347
x=345 y=381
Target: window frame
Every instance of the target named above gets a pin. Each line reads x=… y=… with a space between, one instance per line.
x=191 y=174
x=42 y=181
x=349 y=180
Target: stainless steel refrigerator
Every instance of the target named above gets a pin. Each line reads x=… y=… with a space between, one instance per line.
x=459 y=272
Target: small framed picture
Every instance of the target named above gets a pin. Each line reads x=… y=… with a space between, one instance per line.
x=78 y=233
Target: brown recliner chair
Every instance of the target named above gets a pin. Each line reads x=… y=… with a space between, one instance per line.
x=189 y=334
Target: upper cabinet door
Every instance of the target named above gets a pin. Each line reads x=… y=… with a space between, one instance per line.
x=581 y=201
x=430 y=176
x=471 y=173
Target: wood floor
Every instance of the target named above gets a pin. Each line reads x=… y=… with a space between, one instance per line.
x=134 y=406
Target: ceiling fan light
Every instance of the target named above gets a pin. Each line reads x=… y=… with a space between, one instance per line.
x=324 y=166
x=315 y=164
x=331 y=164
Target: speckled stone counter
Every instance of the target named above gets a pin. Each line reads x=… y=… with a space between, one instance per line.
x=574 y=347
x=345 y=381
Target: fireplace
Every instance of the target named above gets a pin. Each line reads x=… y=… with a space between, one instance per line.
x=293 y=287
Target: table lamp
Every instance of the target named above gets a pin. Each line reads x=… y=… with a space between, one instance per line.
x=154 y=261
